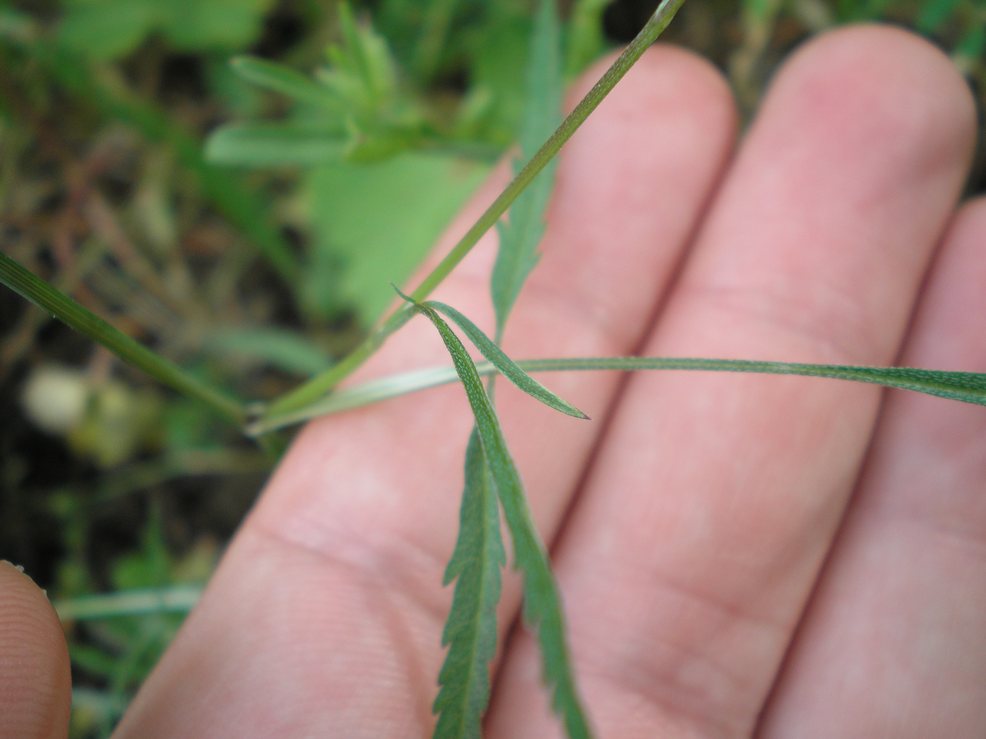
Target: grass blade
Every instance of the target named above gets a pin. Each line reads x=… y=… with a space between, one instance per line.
x=67 y=310
x=507 y=367
x=542 y=603
x=470 y=632
x=522 y=232
x=966 y=387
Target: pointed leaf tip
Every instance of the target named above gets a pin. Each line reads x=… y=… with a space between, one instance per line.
x=506 y=366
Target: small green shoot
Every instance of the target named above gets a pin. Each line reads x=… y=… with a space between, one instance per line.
x=356 y=108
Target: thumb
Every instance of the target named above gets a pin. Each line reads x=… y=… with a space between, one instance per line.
x=35 y=681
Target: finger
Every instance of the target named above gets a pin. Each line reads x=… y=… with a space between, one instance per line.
x=35 y=682
x=894 y=634
x=711 y=505
x=327 y=612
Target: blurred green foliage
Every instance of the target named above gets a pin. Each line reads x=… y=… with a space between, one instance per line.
x=110 y=29
x=237 y=183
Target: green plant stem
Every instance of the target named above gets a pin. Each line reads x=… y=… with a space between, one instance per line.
x=67 y=310
x=321 y=384
x=969 y=387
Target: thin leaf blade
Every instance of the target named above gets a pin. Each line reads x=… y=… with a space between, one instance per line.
x=542 y=602
x=73 y=314
x=522 y=232
x=967 y=387
x=507 y=367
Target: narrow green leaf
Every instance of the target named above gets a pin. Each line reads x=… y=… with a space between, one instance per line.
x=284 y=81
x=966 y=387
x=507 y=367
x=67 y=310
x=470 y=632
x=522 y=232
x=357 y=396
x=542 y=603
x=265 y=144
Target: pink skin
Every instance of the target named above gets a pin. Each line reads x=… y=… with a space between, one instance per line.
x=738 y=555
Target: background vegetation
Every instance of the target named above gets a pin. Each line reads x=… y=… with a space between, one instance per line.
x=246 y=221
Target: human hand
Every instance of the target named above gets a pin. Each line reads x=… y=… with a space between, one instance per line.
x=738 y=555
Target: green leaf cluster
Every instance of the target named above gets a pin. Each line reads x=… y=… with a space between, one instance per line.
x=356 y=107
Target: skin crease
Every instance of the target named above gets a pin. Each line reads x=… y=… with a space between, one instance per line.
x=739 y=556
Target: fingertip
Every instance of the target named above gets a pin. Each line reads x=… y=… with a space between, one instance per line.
x=907 y=87
x=35 y=678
